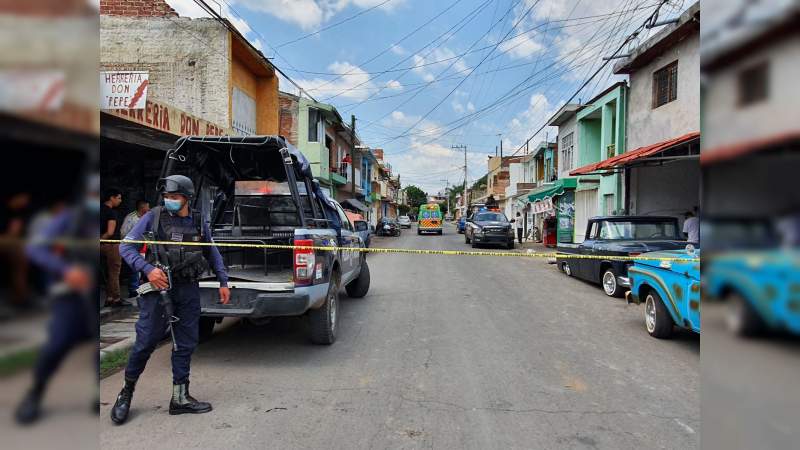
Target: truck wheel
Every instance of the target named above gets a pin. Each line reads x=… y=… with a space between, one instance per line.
x=656 y=317
x=324 y=319
x=358 y=288
x=741 y=318
x=610 y=285
x=206 y=325
x=419 y=231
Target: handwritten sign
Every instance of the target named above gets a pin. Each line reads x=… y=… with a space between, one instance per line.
x=123 y=90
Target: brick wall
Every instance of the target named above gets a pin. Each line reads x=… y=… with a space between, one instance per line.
x=136 y=8
x=289 y=109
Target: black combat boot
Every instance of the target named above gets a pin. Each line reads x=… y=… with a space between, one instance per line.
x=29 y=409
x=119 y=413
x=183 y=403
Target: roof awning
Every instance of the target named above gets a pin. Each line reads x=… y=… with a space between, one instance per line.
x=554 y=189
x=356 y=204
x=744 y=148
x=635 y=155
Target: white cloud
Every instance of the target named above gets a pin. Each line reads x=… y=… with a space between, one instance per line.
x=311 y=14
x=430 y=71
x=398 y=50
x=521 y=47
x=539 y=110
x=422 y=160
x=394 y=85
x=355 y=85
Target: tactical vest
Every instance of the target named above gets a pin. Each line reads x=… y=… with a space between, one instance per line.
x=187 y=263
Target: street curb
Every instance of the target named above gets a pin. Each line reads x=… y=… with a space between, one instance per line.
x=122 y=345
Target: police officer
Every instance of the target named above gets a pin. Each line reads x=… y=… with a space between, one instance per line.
x=174 y=221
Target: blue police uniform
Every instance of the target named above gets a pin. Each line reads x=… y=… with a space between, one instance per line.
x=185 y=294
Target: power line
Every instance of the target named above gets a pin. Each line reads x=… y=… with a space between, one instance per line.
x=333 y=25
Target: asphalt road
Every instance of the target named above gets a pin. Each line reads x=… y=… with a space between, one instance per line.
x=444 y=352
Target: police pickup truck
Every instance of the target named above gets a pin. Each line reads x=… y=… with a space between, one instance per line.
x=263 y=204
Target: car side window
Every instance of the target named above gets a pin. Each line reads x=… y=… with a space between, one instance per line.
x=345 y=220
x=593 y=231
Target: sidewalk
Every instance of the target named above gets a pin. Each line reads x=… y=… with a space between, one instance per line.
x=118 y=328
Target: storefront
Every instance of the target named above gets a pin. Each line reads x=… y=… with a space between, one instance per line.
x=133 y=144
x=553 y=210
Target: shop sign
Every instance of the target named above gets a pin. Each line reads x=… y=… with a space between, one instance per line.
x=125 y=89
x=171 y=120
x=543 y=206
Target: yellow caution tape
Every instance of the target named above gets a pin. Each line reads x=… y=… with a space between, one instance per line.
x=406 y=251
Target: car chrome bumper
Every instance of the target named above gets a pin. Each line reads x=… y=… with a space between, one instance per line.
x=624 y=282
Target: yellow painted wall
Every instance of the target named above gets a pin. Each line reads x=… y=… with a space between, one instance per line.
x=249 y=75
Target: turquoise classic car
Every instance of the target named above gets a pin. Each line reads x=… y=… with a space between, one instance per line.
x=668 y=283
x=761 y=288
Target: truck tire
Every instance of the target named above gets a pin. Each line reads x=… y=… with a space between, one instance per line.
x=419 y=232
x=610 y=286
x=359 y=287
x=324 y=319
x=656 y=317
x=206 y=325
x=740 y=318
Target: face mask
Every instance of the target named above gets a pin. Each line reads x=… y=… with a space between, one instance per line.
x=173 y=206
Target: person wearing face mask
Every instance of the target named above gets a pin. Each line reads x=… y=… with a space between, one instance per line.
x=174 y=221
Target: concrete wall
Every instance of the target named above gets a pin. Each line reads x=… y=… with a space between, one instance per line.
x=186 y=58
x=726 y=122
x=668 y=190
x=647 y=125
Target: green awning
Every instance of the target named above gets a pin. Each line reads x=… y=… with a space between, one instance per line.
x=551 y=190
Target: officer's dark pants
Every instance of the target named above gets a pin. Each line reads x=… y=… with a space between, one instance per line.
x=153 y=322
x=73 y=321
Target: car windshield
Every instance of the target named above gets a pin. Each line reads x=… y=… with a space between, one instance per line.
x=490 y=217
x=662 y=229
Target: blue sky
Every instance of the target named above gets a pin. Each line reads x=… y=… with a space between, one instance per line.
x=451 y=71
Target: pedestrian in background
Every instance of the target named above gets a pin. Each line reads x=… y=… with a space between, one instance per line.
x=520 y=227
x=109 y=228
x=142 y=206
x=691 y=227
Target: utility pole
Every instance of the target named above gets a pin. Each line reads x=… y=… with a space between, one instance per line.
x=353 y=155
x=464 y=192
x=447 y=193
x=500 y=135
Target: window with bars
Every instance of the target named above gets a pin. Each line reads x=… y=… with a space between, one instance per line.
x=665 y=84
x=753 y=84
x=567 y=149
x=314 y=117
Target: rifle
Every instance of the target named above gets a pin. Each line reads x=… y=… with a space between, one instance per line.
x=164 y=294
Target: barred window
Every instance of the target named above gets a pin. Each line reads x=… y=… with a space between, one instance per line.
x=567 y=149
x=313 y=124
x=665 y=84
x=753 y=84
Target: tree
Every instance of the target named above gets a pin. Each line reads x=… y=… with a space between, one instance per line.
x=416 y=196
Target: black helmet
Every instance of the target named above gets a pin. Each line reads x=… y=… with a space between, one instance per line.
x=176 y=184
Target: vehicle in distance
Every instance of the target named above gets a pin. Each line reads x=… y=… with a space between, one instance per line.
x=404 y=221
x=261 y=190
x=489 y=227
x=669 y=289
x=610 y=236
x=461 y=224
x=430 y=218
x=388 y=227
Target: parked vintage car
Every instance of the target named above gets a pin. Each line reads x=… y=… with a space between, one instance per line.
x=617 y=236
x=387 y=227
x=761 y=289
x=669 y=288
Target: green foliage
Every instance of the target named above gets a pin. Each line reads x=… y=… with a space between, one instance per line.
x=416 y=196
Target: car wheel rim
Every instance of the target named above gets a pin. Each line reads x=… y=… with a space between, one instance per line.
x=567 y=270
x=650 y=313
x=609 y=283
x=333 y=307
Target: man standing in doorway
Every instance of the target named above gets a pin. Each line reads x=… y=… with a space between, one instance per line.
x=691 y=227
x=109 y=229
